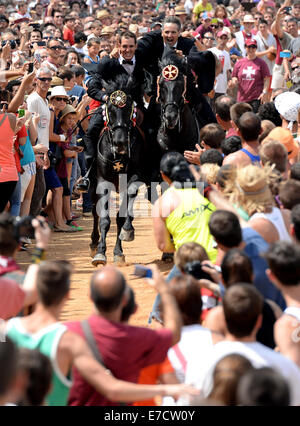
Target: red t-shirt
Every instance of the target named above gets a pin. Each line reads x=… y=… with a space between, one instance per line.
x=22 y=133
x=251 y=75
x=68 y=35
x=11 y=298
x=125 y=351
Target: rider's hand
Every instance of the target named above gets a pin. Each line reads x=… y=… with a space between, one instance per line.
x=115 y=53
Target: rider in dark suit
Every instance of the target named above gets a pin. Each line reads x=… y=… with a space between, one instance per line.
x=151 y=47
x=123 y=60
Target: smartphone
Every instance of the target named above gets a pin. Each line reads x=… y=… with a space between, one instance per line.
x=285 y=54
x=142 y=271
x=21 y=112
x=30 y=67
x=287 y=9
x=41 y=43
x=37 y=56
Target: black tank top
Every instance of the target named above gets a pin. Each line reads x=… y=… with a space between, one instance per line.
x=265 y=334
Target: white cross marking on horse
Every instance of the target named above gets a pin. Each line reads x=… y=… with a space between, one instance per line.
x=249 y=71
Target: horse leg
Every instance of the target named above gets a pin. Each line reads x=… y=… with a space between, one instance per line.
x=95 y=235
x=118 y=250
x=127 y=231
x=102 y=211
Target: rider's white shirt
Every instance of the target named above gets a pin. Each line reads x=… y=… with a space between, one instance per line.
x=129 y=68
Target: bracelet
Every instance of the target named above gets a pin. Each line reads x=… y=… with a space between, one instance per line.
x=38 y=255
x=62 y=138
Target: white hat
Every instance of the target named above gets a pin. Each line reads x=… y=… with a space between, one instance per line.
x=58 y=91
x=288 y=105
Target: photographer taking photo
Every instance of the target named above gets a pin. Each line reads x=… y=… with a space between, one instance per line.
x=17 y=289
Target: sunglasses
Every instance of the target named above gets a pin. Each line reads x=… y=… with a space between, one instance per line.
x=55 y=47
x=253 y=46
x=58 y=16
x=58 y=99
x=44 y=79
x=209 y=38
x=47 y=38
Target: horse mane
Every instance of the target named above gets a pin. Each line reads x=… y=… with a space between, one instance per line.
x=122 y=82
x=170 y=57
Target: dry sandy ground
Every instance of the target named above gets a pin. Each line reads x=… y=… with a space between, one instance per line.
x=74 y=247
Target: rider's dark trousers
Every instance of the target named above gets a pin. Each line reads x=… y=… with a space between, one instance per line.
x=92 y=136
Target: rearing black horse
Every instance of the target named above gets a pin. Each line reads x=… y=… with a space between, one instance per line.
x=179 y=130
x=120 y=153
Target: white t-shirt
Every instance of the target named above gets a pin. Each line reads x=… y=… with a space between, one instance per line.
x=37 y=104
x=221 y=80
x=189 y=6
x=258 y=354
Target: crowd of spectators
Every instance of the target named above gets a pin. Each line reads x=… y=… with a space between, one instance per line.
x=225 y=322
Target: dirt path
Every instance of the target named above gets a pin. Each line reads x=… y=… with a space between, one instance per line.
x=74 y=248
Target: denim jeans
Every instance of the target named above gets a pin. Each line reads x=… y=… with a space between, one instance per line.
x=175 y=272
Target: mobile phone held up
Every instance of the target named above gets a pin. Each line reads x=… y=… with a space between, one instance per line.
x=285 y=54
x=21 y=112
x=142 y=271
x=30 y=67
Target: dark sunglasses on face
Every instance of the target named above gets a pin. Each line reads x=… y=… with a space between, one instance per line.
x=209 y=38
x=55 y=47
x=48 y=38
x=253 y=46
x=58 y=99
x=44 y=79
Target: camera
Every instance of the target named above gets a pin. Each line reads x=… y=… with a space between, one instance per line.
x=22 y=227
x=194 y=268
x=52 y=158
x=12 y=43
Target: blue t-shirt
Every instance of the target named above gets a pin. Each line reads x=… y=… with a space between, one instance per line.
x=77 y=91
x=28 y=154
x=255 y=247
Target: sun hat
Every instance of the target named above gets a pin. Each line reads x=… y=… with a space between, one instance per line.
x=180 y=10
x=68 y=109
x=286 y=138
x=56 y=81
x=288 y=105
x=249 y=18
x=248 y=188
x=107 y=30
x=103 y=14
x=58 y=91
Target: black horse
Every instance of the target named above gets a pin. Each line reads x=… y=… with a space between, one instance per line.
x=120 y=153
x=179 y=129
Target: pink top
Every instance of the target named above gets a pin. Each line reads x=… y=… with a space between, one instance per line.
x=8 y=169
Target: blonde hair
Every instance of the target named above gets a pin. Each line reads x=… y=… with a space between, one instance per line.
x=249 y=188
x=209 y=172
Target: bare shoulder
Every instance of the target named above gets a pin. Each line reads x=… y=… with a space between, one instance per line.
x=215 y=322
x=237 y=158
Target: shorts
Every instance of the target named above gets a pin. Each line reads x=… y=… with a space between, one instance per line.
x=277 y=77
x=29 y=171
x=51 y=179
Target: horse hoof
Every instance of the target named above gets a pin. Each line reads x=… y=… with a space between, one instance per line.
x=126 y=235
x=119 y=258
x=167 y=257
x=93 y=251
x=99 y=259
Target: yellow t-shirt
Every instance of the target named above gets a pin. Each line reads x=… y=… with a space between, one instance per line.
x=189 y=221
x=199 y=8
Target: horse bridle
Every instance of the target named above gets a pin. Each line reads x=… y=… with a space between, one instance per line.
x=173 y=77
x=111 y=128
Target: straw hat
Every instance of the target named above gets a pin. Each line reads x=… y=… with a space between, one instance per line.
x=67 y=110
x=249 y=188
x=102 y=14
x=180 y=10
x=56 y=81
x=107 y=31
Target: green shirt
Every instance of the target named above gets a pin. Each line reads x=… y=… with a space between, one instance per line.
x=188 y=223
x=199 y=8
x=46 y=341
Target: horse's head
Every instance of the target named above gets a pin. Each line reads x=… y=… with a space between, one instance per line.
x=171 y=88
x=119 y=113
